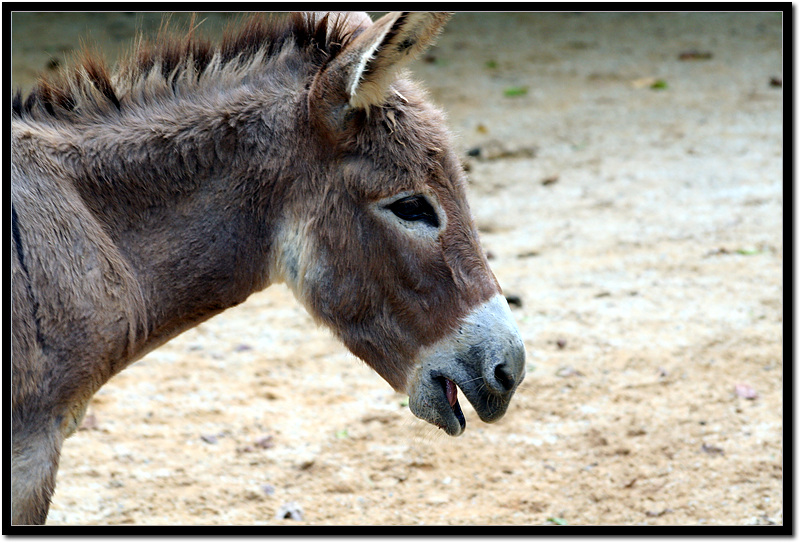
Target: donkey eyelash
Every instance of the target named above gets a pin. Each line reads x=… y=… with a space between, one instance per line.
x=415 y=208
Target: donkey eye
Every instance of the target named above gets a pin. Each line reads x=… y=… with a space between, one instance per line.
x=415 y=208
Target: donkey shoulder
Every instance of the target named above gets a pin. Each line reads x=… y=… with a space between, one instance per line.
x=76 y=301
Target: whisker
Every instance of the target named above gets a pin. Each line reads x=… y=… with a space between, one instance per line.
x=471 y=380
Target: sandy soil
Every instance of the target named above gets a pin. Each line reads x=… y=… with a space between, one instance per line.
x=639 y=226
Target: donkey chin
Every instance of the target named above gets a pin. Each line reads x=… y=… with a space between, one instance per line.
x=484 y=357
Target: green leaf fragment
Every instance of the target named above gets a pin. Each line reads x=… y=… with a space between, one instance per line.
x=516 y=91
x=659 y=84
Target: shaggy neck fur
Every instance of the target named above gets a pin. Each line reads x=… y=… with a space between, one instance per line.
x=155 y=149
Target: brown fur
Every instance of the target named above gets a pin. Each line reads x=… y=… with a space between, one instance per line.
x=150 y=198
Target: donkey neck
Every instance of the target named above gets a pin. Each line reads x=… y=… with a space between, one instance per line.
x=188 y=193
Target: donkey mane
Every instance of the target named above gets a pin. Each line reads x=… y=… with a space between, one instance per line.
x=173 y=61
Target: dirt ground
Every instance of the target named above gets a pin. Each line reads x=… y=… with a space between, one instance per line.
x=626 y=177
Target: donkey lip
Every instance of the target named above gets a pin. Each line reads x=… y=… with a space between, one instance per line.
x=462 y=422
x=451 y=398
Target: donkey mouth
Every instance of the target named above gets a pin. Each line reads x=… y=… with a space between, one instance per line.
x=484 y=358
x=451 y=396
x=436 y=401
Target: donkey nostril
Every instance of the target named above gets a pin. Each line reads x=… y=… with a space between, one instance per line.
x=504 y=377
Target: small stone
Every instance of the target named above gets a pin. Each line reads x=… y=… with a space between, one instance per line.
x=745 y=391
x=568 y=371
x=269 y=490
x=551 y=180
x=265 y=442
x=305 y=462
x=437 y=499
x=289 y=510
x=712 y=450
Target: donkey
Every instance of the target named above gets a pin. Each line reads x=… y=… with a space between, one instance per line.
x=148 y=199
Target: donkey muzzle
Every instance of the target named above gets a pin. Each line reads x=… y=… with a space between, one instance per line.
x=484 y=357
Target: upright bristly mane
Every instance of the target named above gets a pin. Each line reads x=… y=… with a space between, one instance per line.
x=174 y=62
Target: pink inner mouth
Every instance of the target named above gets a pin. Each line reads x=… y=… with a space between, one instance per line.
x=450 y=391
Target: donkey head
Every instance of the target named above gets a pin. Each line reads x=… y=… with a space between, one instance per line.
x=379 y=243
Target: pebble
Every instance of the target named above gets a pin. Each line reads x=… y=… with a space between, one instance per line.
x=290 y=510
x=269 y=490
x=437 y=499
x=743 y=390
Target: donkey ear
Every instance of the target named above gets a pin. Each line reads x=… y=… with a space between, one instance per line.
x=392 y=42
x=363 y=70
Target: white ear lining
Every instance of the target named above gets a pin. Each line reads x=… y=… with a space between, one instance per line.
x=364 y=70
x=379 y=60
x=367 y=54
x=358 y=70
